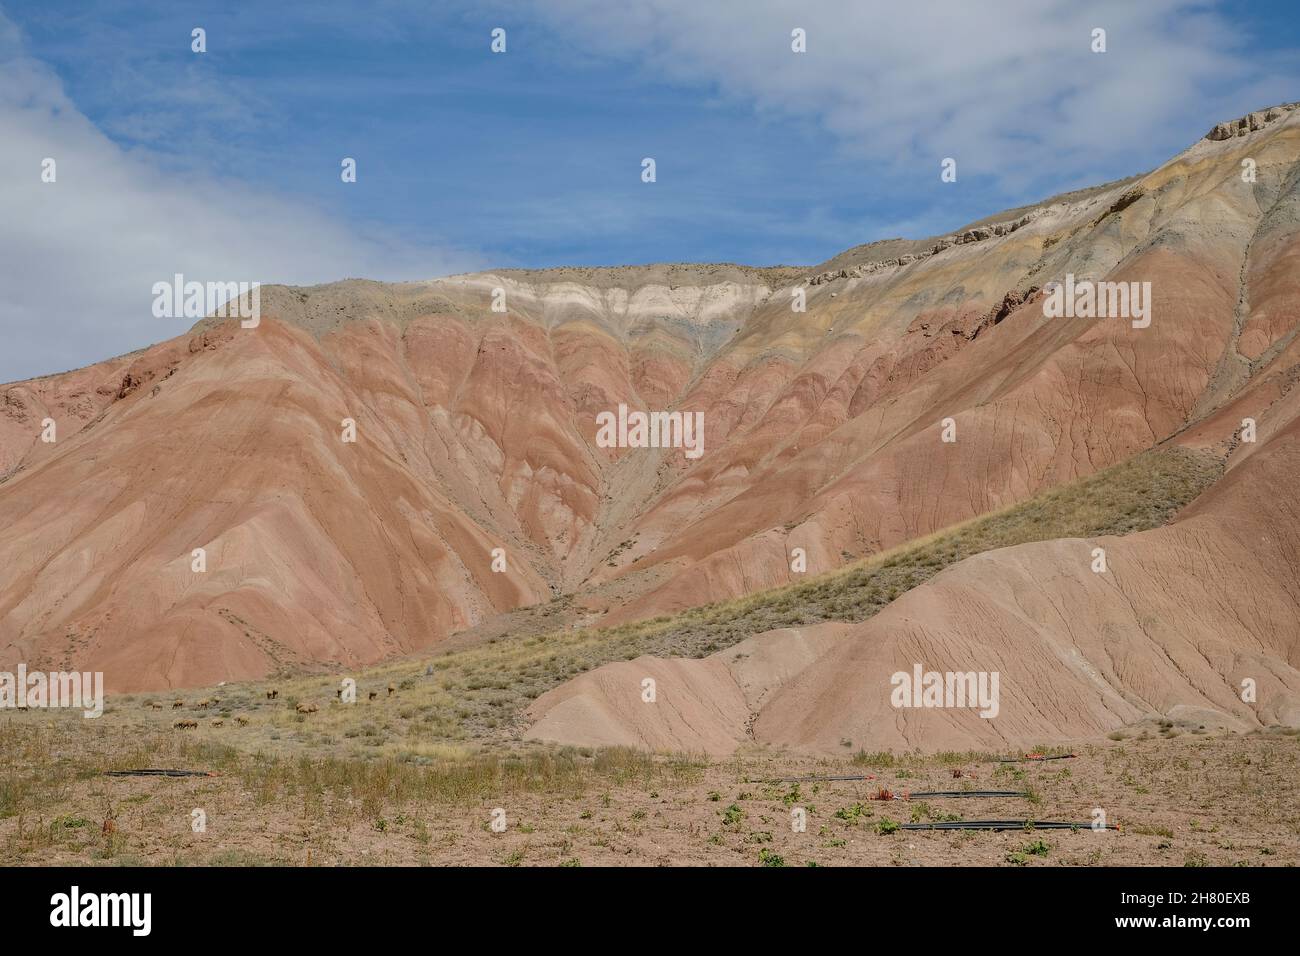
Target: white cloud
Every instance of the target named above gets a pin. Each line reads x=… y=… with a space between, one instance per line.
x=1012 y=89
x=78 y=257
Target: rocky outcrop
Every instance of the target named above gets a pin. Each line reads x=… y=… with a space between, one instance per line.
x=977 y=234
x=1250 y=123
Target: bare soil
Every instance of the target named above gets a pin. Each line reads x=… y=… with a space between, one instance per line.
x=1194 y=800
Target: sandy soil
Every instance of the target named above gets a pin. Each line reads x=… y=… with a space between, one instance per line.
x=1190 y=800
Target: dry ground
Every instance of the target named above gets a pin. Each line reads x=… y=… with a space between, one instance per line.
x=1191 y=799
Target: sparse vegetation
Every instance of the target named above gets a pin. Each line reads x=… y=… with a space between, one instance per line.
x=596 y=805
x=852 y=814
x=475 y=694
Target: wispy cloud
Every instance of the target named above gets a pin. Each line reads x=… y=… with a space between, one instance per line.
x=1011 y=89
x=78 y=257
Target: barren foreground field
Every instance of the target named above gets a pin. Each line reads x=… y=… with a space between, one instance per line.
x=1181 y=796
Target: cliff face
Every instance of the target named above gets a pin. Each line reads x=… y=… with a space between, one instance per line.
x=475 y=428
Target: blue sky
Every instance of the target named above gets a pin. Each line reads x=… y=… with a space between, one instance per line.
x=228 y=161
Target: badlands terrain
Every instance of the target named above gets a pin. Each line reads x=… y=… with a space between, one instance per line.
x=1171 y=448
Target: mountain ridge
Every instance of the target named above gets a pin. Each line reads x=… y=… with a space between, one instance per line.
x=476 y=431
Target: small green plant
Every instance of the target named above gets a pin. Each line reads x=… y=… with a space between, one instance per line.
x=886 y=827
x=767 y=858
x=1038 y=848
x=852 y=814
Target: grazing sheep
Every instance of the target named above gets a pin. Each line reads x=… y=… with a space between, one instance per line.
x=154 y=705
x=177 y=704
x=272 y=694
x=203 y=704
x=374 y=694
x=306 y=708
x=185 y=724
x=242 y=721
x=391 y=690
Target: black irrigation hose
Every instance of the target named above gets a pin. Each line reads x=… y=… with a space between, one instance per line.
x=1032 y=758
x=1005 y=825
x=871 y=776
x=159 y=773
x=965 y=793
